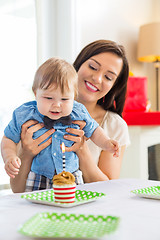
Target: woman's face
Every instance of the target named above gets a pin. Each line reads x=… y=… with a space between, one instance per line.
x=97 y=75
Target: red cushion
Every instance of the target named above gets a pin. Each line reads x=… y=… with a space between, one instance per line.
x=136 y=99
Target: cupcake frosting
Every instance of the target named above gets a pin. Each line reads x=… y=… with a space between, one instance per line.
x=64 y=178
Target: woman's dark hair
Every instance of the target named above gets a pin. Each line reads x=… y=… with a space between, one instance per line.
x=114 y=100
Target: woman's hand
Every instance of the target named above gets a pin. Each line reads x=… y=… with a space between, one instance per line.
x=78 y=139
x=32 y=146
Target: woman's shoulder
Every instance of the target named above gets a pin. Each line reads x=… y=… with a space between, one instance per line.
x=112 y=118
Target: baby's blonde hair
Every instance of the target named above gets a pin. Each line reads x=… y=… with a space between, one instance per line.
x=56 y=71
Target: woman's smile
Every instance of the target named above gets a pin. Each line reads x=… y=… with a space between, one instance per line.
x=91 y=87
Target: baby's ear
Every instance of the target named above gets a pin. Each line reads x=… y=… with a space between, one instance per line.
x=34 y=93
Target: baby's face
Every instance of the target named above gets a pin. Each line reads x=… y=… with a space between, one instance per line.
x=53 y=104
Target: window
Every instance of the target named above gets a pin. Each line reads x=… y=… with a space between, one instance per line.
x=18 y=59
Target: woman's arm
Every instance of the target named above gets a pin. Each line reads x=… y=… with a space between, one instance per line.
x=110 y=165
x=91 y=172
x=19 y=182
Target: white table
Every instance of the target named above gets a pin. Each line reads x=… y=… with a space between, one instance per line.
x=140 y=217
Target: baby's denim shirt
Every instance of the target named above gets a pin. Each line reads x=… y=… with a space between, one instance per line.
x=49 y=160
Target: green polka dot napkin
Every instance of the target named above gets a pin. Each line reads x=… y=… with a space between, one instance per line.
x=148 y=192
x=62 y=225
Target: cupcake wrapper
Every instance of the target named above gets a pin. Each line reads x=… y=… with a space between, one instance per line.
x=65 y=194
x=65 y=200
x=63 y=190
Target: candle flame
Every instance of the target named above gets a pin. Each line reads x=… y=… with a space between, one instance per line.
x=63 y=147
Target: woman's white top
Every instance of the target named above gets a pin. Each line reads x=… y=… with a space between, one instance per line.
x=115 y=128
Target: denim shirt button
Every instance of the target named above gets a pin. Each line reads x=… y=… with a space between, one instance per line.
x=54 y=154
x=55 y=135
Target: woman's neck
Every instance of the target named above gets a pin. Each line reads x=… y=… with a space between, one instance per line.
x=91 y=106
x=95 y=110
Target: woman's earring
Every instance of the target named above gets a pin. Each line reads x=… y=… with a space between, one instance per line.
x=103 y=99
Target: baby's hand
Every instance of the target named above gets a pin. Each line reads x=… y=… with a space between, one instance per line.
x=12 y=166
x=113 y=147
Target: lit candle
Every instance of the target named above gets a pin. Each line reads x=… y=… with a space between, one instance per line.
x=63 y=156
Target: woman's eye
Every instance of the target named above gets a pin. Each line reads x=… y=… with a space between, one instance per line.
x=108 y=78
x=92 y=67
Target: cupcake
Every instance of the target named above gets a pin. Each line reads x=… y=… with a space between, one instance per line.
x=64 y=187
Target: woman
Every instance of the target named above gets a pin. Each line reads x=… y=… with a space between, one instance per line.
x=102 y=82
